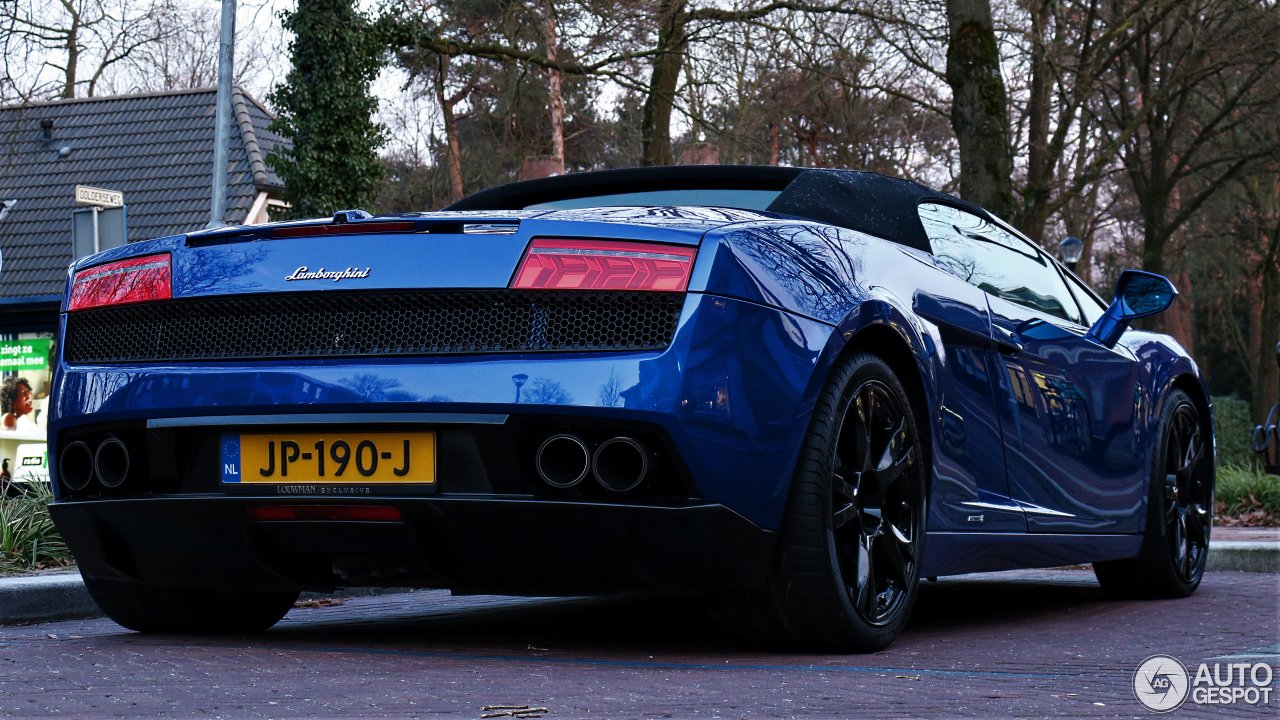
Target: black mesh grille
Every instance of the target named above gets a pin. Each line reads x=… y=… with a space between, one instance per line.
x=364 y=324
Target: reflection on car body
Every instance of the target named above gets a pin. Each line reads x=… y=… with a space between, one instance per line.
x=798 y=391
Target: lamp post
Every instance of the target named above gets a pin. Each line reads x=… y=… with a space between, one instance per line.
x=1071 y=248
x=222 y=114
x=519 y=380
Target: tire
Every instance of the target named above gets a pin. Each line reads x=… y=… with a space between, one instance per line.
x=847 y=568
x=159 y=609
x=1175 y=543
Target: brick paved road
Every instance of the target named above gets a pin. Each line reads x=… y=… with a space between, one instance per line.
x=1025 y=644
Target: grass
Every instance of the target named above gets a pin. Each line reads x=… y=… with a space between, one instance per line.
x=1245 y=495
x=28 y=539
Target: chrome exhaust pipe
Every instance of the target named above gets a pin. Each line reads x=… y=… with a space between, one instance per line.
x=75 y=466
x=620 y=464
x=563 y=461
x=111 y=463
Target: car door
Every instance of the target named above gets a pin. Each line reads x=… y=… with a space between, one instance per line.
x=971 y=488
x=1068 y=406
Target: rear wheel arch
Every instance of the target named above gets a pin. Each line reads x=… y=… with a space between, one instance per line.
x=897 y=352
x=846 y=569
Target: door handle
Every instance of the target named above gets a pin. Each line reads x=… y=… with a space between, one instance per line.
x=954 y=317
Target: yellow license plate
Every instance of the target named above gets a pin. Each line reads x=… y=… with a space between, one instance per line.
x=330 y=457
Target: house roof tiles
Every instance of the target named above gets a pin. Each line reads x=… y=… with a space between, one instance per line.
x=155 y=148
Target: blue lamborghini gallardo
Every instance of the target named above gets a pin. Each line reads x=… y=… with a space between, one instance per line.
x=796 y=391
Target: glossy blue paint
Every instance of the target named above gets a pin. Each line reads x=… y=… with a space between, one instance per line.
x=956 y=553
x=442 y=260
x=1031 y=424
x=1070 y=410
x=238 y=261
x=970 y=487
x=738 y=425
x=431 y=260
x=944 y=323
x=806 y=268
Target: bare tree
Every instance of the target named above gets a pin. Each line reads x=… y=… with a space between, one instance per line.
x=412 y=118
x=75 y=42
x=555 y=93
x=1184 y=104
x=544 y=391
x=186 y=58
x=979 y=106
x=659 y=34
x=449 y=102
x=1247 y=229
x=1189 y=84
x=185 y=54
x=451 y=75
x=611 y=391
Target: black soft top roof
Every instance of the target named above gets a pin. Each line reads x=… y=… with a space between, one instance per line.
x=867 y=202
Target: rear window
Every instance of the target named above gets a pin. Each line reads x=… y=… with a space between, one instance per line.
x=707 y=197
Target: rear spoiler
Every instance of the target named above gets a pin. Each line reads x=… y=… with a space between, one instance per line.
x=359 y=222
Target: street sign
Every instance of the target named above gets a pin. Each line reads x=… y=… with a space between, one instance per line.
x=94 y=229
x=24 y=355
x=86 y=195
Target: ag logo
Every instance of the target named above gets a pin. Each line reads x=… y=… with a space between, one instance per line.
x=1161 y=683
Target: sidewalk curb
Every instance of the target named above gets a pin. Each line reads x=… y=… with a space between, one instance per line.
x=38 y=598
x=62 y=596
x=1242 y=556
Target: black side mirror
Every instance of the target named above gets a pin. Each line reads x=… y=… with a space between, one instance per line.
x=1138 y=294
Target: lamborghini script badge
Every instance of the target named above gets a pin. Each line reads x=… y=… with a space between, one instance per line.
x=306 y=273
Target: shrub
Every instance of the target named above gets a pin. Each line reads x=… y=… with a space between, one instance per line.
x=28 y=538
x=1233 y=429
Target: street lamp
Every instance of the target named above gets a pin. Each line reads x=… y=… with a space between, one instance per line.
x=1071 y=248
x=519 y=379
x=222 y=114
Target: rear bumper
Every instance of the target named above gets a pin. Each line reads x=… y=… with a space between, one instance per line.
x=504 y=546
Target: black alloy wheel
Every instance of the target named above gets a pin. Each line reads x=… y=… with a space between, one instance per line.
x=1188 y=498
x=847 y=565
x=876 y=519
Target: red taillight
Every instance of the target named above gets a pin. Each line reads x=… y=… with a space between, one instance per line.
x=135 y=280
x=604 y=265
x=360 y=228
x=362 y=513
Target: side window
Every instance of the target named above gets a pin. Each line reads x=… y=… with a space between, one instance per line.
x=996 y=260
x=1088 y=303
